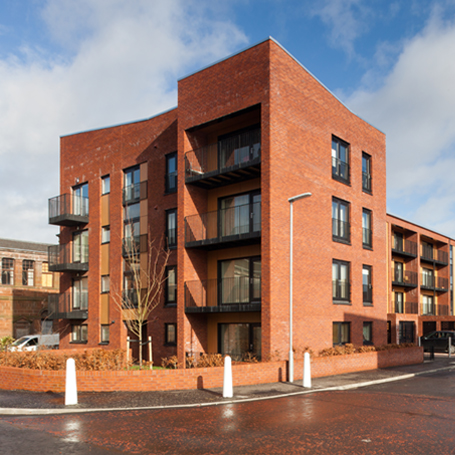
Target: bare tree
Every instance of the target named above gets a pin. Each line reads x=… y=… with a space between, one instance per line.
x=145 y=261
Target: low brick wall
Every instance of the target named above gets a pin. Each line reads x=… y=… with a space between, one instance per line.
x=198 y=378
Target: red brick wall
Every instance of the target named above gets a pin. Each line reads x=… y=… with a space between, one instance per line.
x=194 y=378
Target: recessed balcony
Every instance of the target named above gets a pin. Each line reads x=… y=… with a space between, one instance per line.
x=227 y=227
x=237 y=294
x=230 y=160
x=432 y=309
x=434 y=283
x=68 y=210
x=405 y=278
x=404 y=247
x=63 y=306
x=65 y=258
x=434 y=256
x=408 y=307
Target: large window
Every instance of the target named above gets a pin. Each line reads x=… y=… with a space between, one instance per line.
x=340 y=281
x=428 y=305
x=240 y=281
x=80 y=200
x=406 y=331
x=340 y=220
x=341 y=333
x=80 y=294
x=240 y=214
x=171 y=172
x=366 y=172
x=239 y=147
x=367 y=237
x=46 y=276
x=367 y=285
x=240 y=340
x=7 y=271
x=399 y=302
x=131 y=184
x=398 y=272
x=80 y=246
x=340 y=160
x=79 y=333
x=427 y=278
x=28 y=273
x=170 y=334
x=171 y=227
x=171 y=285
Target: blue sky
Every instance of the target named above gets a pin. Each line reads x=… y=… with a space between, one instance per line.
x=72 y=65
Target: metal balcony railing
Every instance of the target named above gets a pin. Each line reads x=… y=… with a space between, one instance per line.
x=434 y=255
x=404 y=246
x=367 y=237
x=68 y=210
x=64 y=306
x=341 y=290
x=433 y=309
x=225 y=295
x=402 y=277
x=61 y=258
x=434 y=282
x=235 y=151
x=242 y=221
x=340 y=169
x=408 y=307
x=341 y=230
x=366 y=181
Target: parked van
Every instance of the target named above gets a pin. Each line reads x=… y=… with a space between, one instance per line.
x=33 y=342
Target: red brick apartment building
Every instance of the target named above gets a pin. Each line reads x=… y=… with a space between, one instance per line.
x=214 y=176
x=26 y=285
x=420 y=281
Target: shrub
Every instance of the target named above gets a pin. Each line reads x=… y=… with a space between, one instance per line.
x=349 y=348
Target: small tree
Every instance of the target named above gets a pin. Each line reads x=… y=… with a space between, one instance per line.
x=144 y=278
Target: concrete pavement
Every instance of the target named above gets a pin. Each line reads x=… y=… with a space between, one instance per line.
x=37 y=403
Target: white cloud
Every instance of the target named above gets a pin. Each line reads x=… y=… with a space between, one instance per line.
x=117 y=61
x=415 y=108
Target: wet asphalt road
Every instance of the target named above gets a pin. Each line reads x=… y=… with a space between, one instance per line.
x=415 y=416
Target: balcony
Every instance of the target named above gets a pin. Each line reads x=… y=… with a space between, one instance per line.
x=434 y=256
x=62 y=259
x=432 y=309
x=226 y=227
x=238 y=294
x=434 y=283
x=408 y=307
x=62 y=307
x=403 y=247
x=227 y=161
x=405 y=278
x=68 y=210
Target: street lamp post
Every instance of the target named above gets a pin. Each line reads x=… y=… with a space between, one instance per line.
x=291 y=354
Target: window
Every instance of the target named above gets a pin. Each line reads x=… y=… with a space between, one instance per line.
x=341 y=333
x=171 y=285
x=105 y=185
x=105 y=283
x=171 y=227
x=171 y=173
x=105 y=234
x=28 y=273
x=80 y=200
x=46 y=276
x=80 y=294
x=367 y=237
x=366 y=172
x=170 y=334
x=427 y=305
x=131 y=238
x=399 y=303
x=406 y=332
x=80 y=247
x=131 y=184
x=398 y=272
x=105 y=333
x=367 y=285
x=240 y=281
x=340 y=281
x=240 y=340
x=398 y=241
x=427 y=278
x=340 y=220
x=79 y=333
x=427 y=250
x=368 y=333
x=132 y=211
x=340 y=160
x=240 y=214
x=7 y=271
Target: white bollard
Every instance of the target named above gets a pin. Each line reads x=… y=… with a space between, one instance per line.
x=71 y=387
x=228 y=391
x=450 y=347
x=306 y=370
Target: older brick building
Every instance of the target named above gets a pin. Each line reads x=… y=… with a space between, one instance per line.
x=214 y=176
x=26 y=285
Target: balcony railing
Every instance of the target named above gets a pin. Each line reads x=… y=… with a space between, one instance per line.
x=225 y=156
x=340 y=169
x=432 y=309
x=341 y=230
x=68 y=210
x=63 y=306
x=223 y=226
x=367 y=237
x=60 y=258
x=402 y=277
x=433 y=255
x=408 y=307
x=404 y=247
x=434 y=283
x=225 y=295
x=341 y=290
x=366 y=181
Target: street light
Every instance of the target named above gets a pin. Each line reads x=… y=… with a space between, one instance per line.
x=291 y=354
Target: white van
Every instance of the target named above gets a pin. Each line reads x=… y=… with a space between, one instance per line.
x=33 y=342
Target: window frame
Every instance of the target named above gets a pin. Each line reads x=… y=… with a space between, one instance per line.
x=105 y=185
x=369 y=326
x=168 y=188
x=336 y=207
x=8 y=271
x=105 y=279
x=27 y=265
x=103 y=340
x=367 y=175
x=337 y=299
x=167 y=333
x=81 y=331
x=105 y=234
x=367 y=295
x=168 y=301
x=340 y=341
x=173 y=244
x=368 y=244
x=336 y=159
